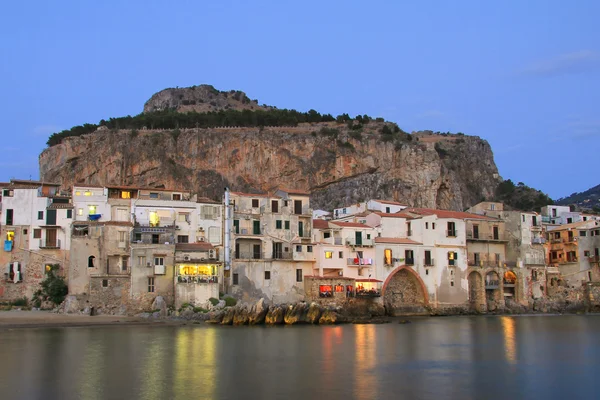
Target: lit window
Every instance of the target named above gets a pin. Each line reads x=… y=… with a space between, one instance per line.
x=77 y=193
x=387 y=256
x=154 y=218
x=80 y=211
x=328 y=254
x=92 y=210
x=87 y=193
x=125 y=195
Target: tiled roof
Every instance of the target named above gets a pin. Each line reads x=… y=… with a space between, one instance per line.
x=390 y=202
x=320 y=224
x=395 y=215
x=581 y=224
x=329 y=277
x=202 y=246
x=206 y=200
x=447 y=214
x=350 y=224
x=395 y=240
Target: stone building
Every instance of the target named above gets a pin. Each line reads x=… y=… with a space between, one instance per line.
x=35 y=219
x=272 y=245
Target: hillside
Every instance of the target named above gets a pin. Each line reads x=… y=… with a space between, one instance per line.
x=588 y=200
x=341 y=160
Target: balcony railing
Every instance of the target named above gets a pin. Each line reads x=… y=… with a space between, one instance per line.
x=49 y=245
x=368 y=293
x=508 y=283
x=492 y=284
x=594 y=259
x=281 y=255
x=571 y=239
x=538 y=240
x=484 y=263
x=248 y=255
x=351 y=241
x=535 y=261
x=451 y=233
x=501 y=236
x=556 y=240
x=429 y=263
x=162 y=228
x=409 y=261
x=197 y=279
x=360 y=261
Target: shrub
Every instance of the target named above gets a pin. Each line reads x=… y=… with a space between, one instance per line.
x=200 y=310
x=53 y=288
x=213 y=301
x=385 y=130
x=22 y=302
x=379 y=119
x=345 y=145
x=329 y=132
x=355 y=135
x=230 y=301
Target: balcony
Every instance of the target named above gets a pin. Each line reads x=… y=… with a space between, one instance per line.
x=409 y=261
x=492 y=284
x=508 y=283
x=163 y=239
x=483 y=263
x=538 y=240
x=163 y=228
x=594 y=259
x=368 y=293
x=351 y=241
x=49 y=245
x=247 y=232
x=359 y=261
x=500 y=237
x=248 y=255
x=536 y=228
x=429 y=263
x=556 y=240
x=571 y=239
x=451 y=233
x=197 y=279
x=282 y=255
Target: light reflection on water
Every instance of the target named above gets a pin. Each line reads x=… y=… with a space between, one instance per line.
x=463 y=358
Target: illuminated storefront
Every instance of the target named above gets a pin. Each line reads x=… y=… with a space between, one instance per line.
x=197 y=273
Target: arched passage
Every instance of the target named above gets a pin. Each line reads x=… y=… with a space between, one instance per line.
x=492 y=291
x=404 y=293
x=476 y=292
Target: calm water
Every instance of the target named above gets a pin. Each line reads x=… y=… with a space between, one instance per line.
x=432 y=358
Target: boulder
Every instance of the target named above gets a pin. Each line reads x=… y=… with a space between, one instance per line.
x=160 y=304
x=314 y=313
x=188 y=313
x=296 y=314
x=275 y=315
x=329 y=317
x=376 y=309
x=241 y=316
x=258 y=312
x=72 y=305
x=228 y=316
x=215 y=317
x=220 y=305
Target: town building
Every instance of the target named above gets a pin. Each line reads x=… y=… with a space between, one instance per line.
x=35 y=220
x=385 y=206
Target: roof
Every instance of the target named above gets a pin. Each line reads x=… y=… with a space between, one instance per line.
x=202 y=246
x=121 y=187
x=206 y=200
x=250 y=194
x=580 y=224
x=368 y=280
x=390 y=202
x=320 y=224
x=399 y=214
x=395 y=240
x=295 y=191
x=30 y=182
x=350 y=224
x=447 y=214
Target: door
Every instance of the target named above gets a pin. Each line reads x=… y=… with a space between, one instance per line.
x=358 y=238
x=256 y=251
x=277 y=250
x=409 y=257
x=275 y=206
x=256 y=227
x=301 y=229
x=297 y=206
x=496 y=233
x=9 y=217
x=51 y=237
x=427 y=257
x=50 y=217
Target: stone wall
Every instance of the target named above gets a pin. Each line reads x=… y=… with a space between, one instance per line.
x=110 y=294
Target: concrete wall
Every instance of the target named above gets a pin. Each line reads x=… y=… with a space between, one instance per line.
x=195 y=293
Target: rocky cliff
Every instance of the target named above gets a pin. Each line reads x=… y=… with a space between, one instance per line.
x=450 y=172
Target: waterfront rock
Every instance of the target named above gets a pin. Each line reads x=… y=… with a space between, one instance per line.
x=314 y=313
x=71 y=305
x=188 y=313
x=296 y=314
x=241 y=316
x=330 y=317
x=376 y=309
x=215 y=317
x=275 y=315
x=220 y=305
x=160 y=304
x=258 y=312
x=228 y=316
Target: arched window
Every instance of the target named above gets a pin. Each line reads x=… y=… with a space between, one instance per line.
x=91 y=261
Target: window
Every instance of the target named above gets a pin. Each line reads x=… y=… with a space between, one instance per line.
x=475 y=231
x=298 y=275
x=586 y=253
x=452 y=258
x=91 y=261
x=104 y=282
x=426 y=225
x=92 y=209
x=340 y=254
x=387 y=257
x=176 y=196
x=24 y=231
x=141 y=261
x=534 y=220
x=69 y=214
x=122 y=235
x=124 y=263
x=40 y=215
x=183 y=239
x=326 y=235
x=492 y=207
x=556 y=235
x=274 y=206
x=287 y=224
x=299 y=248
x=37 y=233
x=138 y=237
x=582 y=233
x=235 y=279
x=329 y=254
x=451 y=229
x=344 y=211
x=409 y=257
x=183 y=217
x=267 y=275
x=433 y=225
x=368 y=236
x=236 y=226
x=476 y=258
x=569 y=220
x=159 y=261
x=309 y=249
x=125 y=194
x=80 y=211
x=428 y=260
x=7 y=193
x=523 y=216
x=254 y=203
x=87 y=193
x=154 y=195
x=155 y=238
x=553 y=255
x=278 y=224
x=150 y=285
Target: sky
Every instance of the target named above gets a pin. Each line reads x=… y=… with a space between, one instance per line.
x=523 y=75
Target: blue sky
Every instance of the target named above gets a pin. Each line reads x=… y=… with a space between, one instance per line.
x=524 y=75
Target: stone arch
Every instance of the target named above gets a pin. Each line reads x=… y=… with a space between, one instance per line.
x=476 y=291
x=405 y=293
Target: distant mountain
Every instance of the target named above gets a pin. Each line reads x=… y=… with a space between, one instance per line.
x=590 y=199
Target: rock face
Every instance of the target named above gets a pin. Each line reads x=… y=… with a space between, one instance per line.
x=201 y=98
x=275 y=315
x=339 y=168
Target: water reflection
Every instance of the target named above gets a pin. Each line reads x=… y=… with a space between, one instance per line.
x=510 y=348
x=365 y=347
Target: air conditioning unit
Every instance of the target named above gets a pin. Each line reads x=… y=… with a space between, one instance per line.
x=202 y=239
x=186 y=258
x=177 y=227
x=148 y=264
x=341 y=273
x=212 y=254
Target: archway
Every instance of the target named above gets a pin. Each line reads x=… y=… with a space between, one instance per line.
x=492 y=291
x=509 y=282
x=476 y=292
x=404 y=293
